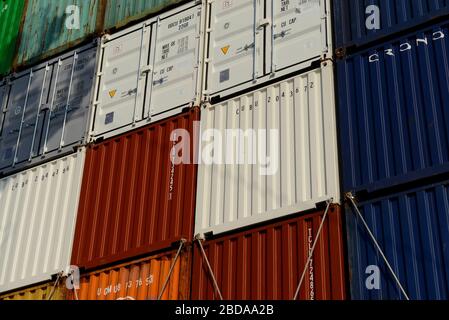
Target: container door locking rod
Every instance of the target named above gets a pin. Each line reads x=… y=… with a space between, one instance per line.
x=329 y=202
x=172 y=267
x=52 y=103
x=36 y=123
x=25 y=105
x=67 y=104
x=351 y=198
x=199 y=239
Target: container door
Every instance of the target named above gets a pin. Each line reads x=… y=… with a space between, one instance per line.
x=121 y=81
x=33 y=119
x=23 y=123
x=12 y=117
x=235 y=43
x=3 y=98
x=175 y=57
x=4 y=92
x=296 y=33
x=66 y=118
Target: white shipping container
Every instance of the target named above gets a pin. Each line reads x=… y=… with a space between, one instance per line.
x=150 y=71
x=38 y=210
x=293 y=123
x=253 y=41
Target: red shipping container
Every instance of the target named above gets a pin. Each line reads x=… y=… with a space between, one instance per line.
x=266 y=263
x=134 y=200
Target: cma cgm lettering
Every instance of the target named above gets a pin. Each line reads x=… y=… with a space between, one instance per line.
x=408 y=45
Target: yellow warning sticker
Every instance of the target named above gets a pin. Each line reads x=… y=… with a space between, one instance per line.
x=225 y=50
x=112 y=93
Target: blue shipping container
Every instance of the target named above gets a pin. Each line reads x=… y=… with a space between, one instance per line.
x=358 y=22
x=412 y=229
x=394 y=111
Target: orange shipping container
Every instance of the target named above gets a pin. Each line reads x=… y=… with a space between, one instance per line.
x=142 y=279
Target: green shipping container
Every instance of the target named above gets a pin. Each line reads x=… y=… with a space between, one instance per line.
x=11 y=12
x=53 y=26
x=120 y=13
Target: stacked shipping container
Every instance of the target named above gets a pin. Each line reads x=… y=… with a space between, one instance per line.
x=37 y=221
x=268 y=262
x=268 y=155
x=50 y=28
x=164 y=276
x=55 y=109
x=295 y=163
x=10 y=17
x=48 y=291
x=251 y=42
x=149 y=72
x=134 y=200
x=195 y=138
x=392 y=96
x=46 y=109
x=412 y=228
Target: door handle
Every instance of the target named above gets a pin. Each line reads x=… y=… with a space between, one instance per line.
x=263 y=23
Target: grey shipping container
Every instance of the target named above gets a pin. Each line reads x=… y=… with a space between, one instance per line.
x=45 y=110
x=249 y=42
x=149 y=72
x=412 y=229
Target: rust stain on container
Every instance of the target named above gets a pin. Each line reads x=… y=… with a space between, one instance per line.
x=134 y=200
x=140 y=280
x=266 y=263
x=46 y=291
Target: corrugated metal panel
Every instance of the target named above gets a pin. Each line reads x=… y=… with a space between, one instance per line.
x=252 y=41
x=140 y=280
x=51 y=27
x=393 y=102
x=37 y=221
x=412 y=230
x=266 y=263
x=149 y=72
x=46 y=110
x=46 y=291
x=11 y=12
x=293 y=125
x=359 y=22
x=120 y=13
x=134 y=199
